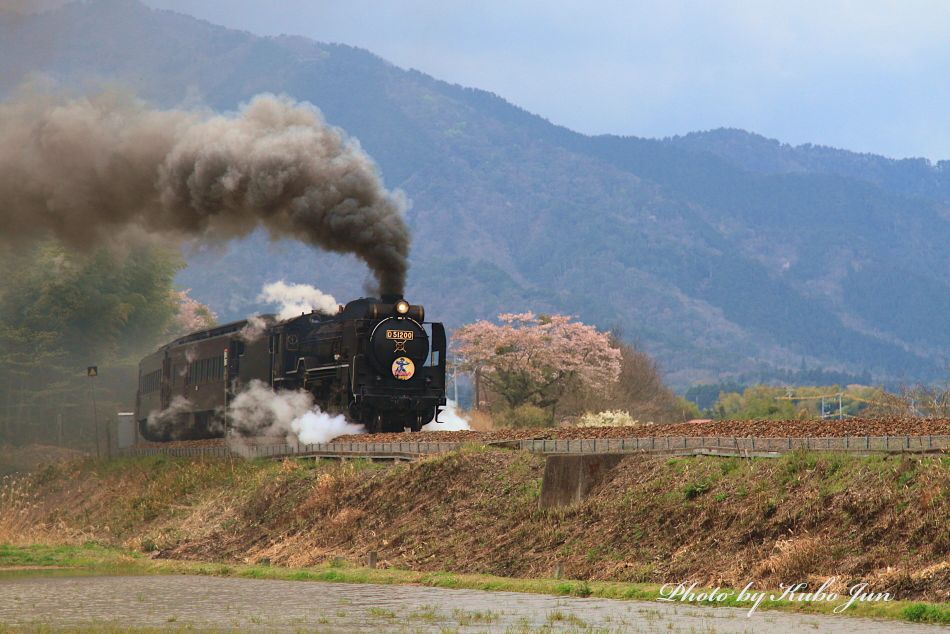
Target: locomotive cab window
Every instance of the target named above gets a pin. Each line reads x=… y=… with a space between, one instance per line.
x=431 y=359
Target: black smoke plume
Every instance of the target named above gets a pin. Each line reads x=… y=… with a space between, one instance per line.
x=89 y=169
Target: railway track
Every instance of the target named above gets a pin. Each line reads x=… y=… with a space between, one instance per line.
x=668 y=445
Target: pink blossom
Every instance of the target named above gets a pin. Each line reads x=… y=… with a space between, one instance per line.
x=529 y=358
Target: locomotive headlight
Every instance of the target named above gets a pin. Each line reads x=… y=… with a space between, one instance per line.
x=402 y=307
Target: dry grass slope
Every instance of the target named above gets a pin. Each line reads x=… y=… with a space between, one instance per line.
x=716 y=521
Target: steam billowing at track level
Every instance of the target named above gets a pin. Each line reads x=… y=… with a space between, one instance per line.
x=87 y=170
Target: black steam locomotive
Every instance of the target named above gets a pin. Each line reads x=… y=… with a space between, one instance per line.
x=376 y=361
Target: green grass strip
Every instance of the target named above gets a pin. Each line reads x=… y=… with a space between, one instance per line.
x=93 y=558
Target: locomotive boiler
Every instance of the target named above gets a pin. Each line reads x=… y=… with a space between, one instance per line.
x=377 y=361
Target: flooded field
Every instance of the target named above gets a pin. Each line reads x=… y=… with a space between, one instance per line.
x=248 y=605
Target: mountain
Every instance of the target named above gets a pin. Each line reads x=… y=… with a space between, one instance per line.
x=723 y=253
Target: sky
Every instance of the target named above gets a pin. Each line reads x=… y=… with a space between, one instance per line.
x=867 y=76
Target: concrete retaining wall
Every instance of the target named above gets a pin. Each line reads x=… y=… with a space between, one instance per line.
x=569 y=478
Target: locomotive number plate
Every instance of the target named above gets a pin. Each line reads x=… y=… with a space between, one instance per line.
x=399 y=334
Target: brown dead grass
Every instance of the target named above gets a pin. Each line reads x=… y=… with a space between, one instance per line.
x=793 y=558
x=17 y=459
x=479 y=420
x=654 y=519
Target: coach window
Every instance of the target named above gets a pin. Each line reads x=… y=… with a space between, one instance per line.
x=151 y=382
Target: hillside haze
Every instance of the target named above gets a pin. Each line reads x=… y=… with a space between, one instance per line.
x=722 y=253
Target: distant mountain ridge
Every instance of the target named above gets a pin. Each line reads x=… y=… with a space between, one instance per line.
x=756 y=153
x=723 y=253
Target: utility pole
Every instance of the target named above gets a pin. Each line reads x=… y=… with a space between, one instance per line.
x=226 y=380
x=477 y=391
x=455 y=382
x=92 y=372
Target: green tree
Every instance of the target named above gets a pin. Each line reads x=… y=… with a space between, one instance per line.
x=757 y=401
x=639 y=391
x=62 y=311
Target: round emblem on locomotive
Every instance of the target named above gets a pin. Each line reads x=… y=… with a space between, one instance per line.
x=403 y=368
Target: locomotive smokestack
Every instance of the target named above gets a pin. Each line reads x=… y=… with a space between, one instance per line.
x=86 y=170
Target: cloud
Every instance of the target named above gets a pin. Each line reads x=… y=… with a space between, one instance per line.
x=858 y=75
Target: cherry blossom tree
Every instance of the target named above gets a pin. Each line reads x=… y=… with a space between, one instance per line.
x=528 y=359
x=191 y=315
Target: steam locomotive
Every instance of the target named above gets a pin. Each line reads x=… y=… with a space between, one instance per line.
x=376 y=361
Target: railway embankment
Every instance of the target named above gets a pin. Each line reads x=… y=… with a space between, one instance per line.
x=880 y=519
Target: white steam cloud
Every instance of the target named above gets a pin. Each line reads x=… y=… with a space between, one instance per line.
x=449 y=420
x=172 y=422
x=259 y=411
x=294 y=299
x=254 y=329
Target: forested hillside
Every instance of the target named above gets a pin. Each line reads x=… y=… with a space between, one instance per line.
x=722 y=253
